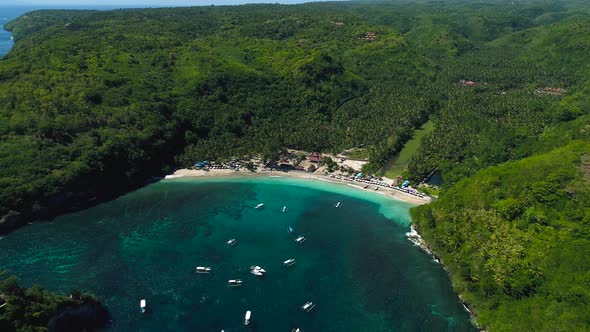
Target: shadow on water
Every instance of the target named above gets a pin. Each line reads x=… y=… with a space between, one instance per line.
x=85 y=317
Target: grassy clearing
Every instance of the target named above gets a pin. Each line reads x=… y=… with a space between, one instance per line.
x=432 y=191
x=398 y=163
x=359 y=154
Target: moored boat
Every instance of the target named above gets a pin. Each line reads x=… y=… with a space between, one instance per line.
x=234 y=282
x=247 y=317
x=259 y=206
x=300 y=239
x=257 y=270
x=308 y=306
x=232 y=242
x=289 y=262
x=285 y=209
x=203 y=269
x=337 y=205
x=142 y=306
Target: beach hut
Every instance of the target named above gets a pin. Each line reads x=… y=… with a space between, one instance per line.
x=315 y=157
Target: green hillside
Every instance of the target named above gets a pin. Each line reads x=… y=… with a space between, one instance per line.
x=515 y=239
x=96 y=103
x=35 y=308
x=124 y=95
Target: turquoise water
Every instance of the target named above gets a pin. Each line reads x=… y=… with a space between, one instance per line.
x=356 y=264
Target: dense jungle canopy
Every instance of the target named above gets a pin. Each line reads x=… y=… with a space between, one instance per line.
x=94 y=103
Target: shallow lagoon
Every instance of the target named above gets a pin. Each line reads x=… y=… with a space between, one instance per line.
x=356 y=264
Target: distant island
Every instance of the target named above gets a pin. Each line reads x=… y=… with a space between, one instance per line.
x=492 y=98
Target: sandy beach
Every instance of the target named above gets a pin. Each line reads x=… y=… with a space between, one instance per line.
x=394 y=194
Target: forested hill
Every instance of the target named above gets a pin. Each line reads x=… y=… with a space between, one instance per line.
x=515 y=237
x=94 y=103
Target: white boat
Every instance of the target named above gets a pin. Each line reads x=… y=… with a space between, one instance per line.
x=308 y=306
x=234 y=282
x=284 y=209
x=142 y=306
x=300 y=239
x=337 y=205
x=296 y=330
x=376 y=188
x=256 y=267
x=257 y=273
x=259 y=206
x=257 y=270
x=232 y=242
x=247 y=317
x=289 y=262
x=203 y=269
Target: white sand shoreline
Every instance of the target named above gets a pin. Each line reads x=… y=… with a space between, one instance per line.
x=388 y=192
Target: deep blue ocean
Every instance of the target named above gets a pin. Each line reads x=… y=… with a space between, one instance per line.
x=6 y=15
x=356 y=264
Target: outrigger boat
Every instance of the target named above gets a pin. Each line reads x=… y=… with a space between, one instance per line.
x=257 y=270
x=234 y=282
x=284 y=209
x=203 y=269
x=308 y=306
x=289 y=262
x=247 y=317
x=231 y=242
x=300 y=239
x=337 y=205
x=259 y=206
x=142 y=306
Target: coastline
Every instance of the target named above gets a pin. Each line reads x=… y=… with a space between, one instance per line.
x=387 y=192
x=5 y=44
x=413 y=235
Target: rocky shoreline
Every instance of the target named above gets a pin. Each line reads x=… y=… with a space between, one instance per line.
x=415 y=237
x=418 y=241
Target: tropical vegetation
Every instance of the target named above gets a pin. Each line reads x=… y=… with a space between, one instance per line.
x=36 y=309
x=94 y=103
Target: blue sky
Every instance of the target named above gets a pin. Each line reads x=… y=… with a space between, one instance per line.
x=139 y=3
